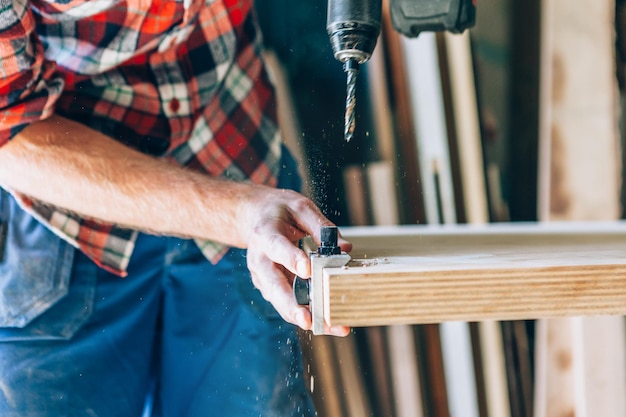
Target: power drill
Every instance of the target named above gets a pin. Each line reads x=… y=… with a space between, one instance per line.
x=354 y=26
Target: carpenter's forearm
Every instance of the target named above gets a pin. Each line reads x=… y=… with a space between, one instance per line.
x=72 y=166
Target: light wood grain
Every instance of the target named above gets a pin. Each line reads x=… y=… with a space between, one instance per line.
x=460 y=351
x=433 y=83
x=411 y=274
x=579 y=179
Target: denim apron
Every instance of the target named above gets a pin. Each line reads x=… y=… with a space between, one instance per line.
x=177 y=337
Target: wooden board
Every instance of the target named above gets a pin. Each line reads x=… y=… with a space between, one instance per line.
x=461 y=353
x=421 y=274
x=579 y=361
x=421 y=61
x=410 y=189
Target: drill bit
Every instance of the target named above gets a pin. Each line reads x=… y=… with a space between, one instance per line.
x=351 y=67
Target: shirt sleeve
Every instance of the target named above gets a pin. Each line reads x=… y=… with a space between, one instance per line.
x=28 y=84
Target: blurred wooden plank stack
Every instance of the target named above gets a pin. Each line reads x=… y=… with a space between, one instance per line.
x=516 y=120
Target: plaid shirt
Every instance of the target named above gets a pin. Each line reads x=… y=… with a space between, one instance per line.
x=182 y=80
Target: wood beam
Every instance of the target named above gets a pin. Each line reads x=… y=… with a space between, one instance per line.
x=417 y=274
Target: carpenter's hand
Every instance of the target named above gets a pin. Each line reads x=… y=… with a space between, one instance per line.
x=277 y=220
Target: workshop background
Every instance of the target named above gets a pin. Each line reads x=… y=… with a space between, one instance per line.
x=518 y=119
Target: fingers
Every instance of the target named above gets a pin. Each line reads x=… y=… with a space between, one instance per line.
x=311 y=220
x=340 y=331
x=283 y=251
x=344 y=244
x=282 y=221
x=272 y=251
x=274 y=285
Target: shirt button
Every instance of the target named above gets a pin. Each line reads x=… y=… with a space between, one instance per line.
x=174 y=105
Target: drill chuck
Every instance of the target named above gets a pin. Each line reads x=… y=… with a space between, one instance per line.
x=353 y=27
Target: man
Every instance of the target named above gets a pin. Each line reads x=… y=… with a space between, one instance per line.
x=144 y=135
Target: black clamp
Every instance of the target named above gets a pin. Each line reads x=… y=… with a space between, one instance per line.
x=329 y=237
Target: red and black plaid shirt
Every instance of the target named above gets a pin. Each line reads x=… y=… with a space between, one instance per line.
x=177 y=79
